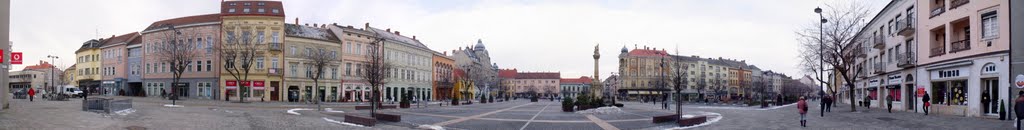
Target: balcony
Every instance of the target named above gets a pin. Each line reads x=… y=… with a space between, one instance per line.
x=274 y=71
x=958 y=3
x=905 y=27
x=879 y=68
x=878 y=42
x=863 y=74
x=937 y=51
x=961 y=45
x=859 y=51
x=938 y=10
x=274 y=46
x=905 y=60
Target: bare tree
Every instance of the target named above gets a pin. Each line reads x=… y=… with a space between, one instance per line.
x=377 y=70
x=238 y=54
x=177 y=50
x=836 y=43
x=318 y=59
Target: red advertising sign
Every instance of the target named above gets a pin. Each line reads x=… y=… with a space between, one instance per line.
x=920 y=92
x=246 y=83
x=231 y=84
x=16 y=58
x=1 y=56
x=257 y=83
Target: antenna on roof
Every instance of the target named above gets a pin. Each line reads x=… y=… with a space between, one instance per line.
x=677 y=48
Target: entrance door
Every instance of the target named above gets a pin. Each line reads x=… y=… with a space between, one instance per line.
x=320 y=93
x=274 y=93
x=990 y=90
x=293 y=93
x=910 y=99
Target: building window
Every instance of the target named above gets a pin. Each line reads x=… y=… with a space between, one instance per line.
x=259 y=63
x=246 y=10
x=273 y=62
x=274 y=37
x=260 y=10
x=231 y=10
x=259 y=37
x=199 y=66
x=276 y=11
x=209 y=65
x=989 y=25
x=295 y=72
x=348 y=69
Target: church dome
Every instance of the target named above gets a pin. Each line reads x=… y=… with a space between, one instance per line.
x=624 y=50
x=479 y=44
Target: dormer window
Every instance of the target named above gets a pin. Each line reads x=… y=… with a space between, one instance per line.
x=231 y=10
x=248 y=4
x=261 y=4
x=246 y=10
x=260 y=10
x=276 y=11
x=232 y=4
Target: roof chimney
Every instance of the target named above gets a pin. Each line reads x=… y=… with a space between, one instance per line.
x=296 y=20
x=445 y=53
x=398 y=33
x=388 y=30
x=413 y=37
x=307 y=24
x=367 y=25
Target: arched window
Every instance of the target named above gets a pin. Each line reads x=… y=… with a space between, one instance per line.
x=989 y=68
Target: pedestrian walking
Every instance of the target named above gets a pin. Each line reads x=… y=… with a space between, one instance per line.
x=664 y=103
x=163 y=94
x=828 y=103
x=985 y=102
x=1019 y=108
x=802 y=106
x=888 y=102
x=927 y=105
x=31 y=94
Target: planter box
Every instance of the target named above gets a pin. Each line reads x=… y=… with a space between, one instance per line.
x=361 y=120
x=665 y=118
x=378 y=107
x=583 y=107
x=388 y=117
x=404 y=105
x=619 y=105
x=692 y=121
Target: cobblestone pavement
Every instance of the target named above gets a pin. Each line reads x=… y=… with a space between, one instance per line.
x=787 y=117
x=513 y=115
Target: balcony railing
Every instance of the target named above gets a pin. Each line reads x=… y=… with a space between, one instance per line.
x=905 y=59
x=961 y=45
x=958 y=3
x=274 y=71
x=905 y=26
x=938 y=10
x=878 y=41
x=274 y=46
x=859 y=51
x=879 y=68
x=938 y=51
x=862 y=74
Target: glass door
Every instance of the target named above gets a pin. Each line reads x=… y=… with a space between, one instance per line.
x=990 y=92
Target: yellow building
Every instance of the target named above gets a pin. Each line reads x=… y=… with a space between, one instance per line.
x=259 y=24
x=68 y=77
x=88 y=65
x=301 y=42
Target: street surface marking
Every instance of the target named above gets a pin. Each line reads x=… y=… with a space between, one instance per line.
x=602 y=123
x=449 y=122
x=534 y=116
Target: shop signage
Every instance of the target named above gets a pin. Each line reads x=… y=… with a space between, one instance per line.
x=873 y=83
x=920 y=92
x=895 y=80
x=231 y=84
x=258 y=85
x=16 y=58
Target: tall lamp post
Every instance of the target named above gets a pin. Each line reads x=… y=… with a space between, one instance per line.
x=53 y=87
x=821 y=48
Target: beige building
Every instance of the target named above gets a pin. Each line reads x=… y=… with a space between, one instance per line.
x=355 y=42
x=545 y=84
x=302 y=42
x=260 y=23
x=965 y=69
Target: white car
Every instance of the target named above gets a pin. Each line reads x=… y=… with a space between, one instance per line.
x=72 y=91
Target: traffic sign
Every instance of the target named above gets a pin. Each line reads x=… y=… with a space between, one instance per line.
x=16 y=58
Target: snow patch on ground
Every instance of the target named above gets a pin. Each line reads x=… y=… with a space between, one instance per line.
x=343 y=123
x=292 y=111
x=741 y=108
x=430 y=127
x=125 y=112
x=333 y=111
x=714 y=117
x=601 y=110
x=169 y=105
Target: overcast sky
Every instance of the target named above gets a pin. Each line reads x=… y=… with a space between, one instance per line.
x=529 y=35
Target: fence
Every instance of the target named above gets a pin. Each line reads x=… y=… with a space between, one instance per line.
x=106 y=105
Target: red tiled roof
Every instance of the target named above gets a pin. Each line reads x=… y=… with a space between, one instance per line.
x=253 y=6
x=40 y=66
x=459 y=73
x=185 y=20
x=645 y=52
x=538 y=75
x=583 y=80
x=120 y=39
x=507 y=73
x=135 y=41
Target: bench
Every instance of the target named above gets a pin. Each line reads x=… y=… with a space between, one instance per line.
x=665 y=118
x=365 y=121
x=388 y=117
x=692 y=121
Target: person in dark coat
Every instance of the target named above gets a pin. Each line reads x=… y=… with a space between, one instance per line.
x=927 y=104
x=888 y=102
x=1018 y=108
x=828 y=103
x=163 y=94
x=985 y=102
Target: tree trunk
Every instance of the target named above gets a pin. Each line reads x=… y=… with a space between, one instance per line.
x=853 y=107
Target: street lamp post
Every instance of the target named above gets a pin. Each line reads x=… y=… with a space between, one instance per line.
x=821 y=48
x=52 y=86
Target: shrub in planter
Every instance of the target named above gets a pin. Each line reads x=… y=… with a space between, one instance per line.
x=490 y=99
x=483 y=99
x=567 y=105
x=455 y=101
x=404 y=103
x=533 y=99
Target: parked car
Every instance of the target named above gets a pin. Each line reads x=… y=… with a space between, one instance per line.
x=72 y=91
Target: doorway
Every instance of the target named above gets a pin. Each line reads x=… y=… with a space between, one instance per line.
x=989 y=96
x=910 y=98
x=274 y=87
x=320 y=93
x=293 y=93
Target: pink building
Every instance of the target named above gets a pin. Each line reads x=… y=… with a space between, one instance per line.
x=201 y=76
x=113 y=60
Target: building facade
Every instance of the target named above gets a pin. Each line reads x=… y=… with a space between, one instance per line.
x=572 y=87
x=114 y=62
x=355 y=43
x=258 y=25
x=302 y=45
x=476 y=62
x=545 y=84
x=88 y=65
x=411 y=65
x=200 y=79
x=443 y=79
x=965 y=70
